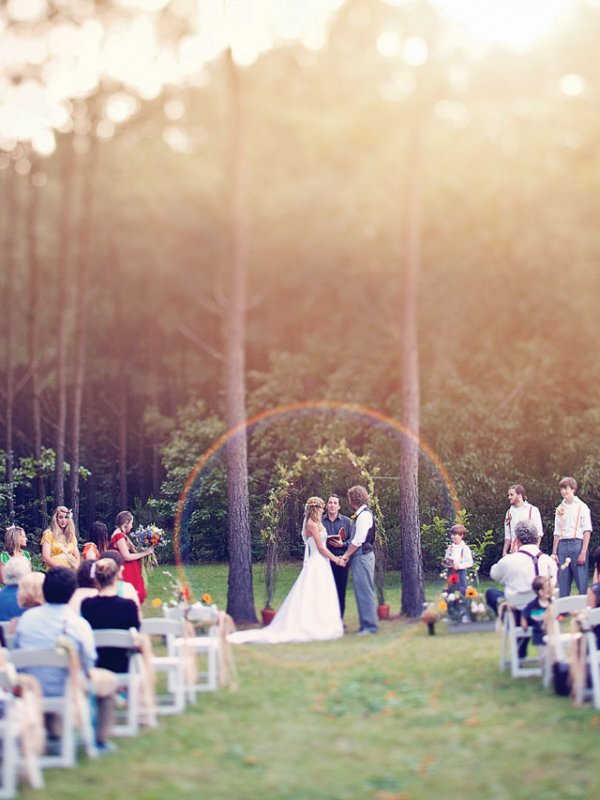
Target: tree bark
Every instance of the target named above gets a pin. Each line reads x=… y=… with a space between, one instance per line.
x=9 y=338
x=80 y=335
x=119 y=343
x=240 y=594
x=63 y=308
x=33 y=342
x=411 y=563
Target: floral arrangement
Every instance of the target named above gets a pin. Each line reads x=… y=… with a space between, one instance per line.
x=145 y=537
x=180 y=594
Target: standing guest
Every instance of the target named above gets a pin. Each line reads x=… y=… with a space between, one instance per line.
x=132 y=570
x=14 y=570
x=519 y=510
x=59 y=541
x=98 y=543
x=458 y=556
x=31 y=593
x=108 y=610
x=360 y=552
x=572 y=531
x=338 y=530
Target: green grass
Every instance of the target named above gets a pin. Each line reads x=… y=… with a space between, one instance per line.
x=397 y=716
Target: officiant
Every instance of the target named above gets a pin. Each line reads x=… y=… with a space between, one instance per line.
x=338 y=535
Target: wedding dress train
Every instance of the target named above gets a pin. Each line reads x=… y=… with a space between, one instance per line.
x=310 y=612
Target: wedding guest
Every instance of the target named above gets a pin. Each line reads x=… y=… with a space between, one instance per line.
x=534 y=612
x=31 y=593
x=572 y=531
x=98 y=543
x=41 y=627
x=360 y=552
x=59 y=541
x=124 y=589
x=132 y=570
x=519 y=510
x=86 y=585
x=15 y=540
x=108 y=610
x=458 y=556
x=14 y=570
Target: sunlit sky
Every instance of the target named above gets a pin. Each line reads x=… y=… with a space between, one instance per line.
x=129 y=50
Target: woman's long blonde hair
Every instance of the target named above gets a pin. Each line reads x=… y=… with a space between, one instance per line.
x=11 y=539
x=69 y=532
x=313 y=508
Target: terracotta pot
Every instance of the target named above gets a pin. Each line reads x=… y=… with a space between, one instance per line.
x=383 y=611
x=267 y=615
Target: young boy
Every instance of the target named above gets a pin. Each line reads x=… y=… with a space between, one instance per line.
x=458 y=556
x=533 y=613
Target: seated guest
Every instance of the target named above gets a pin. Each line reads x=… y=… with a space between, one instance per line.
x=31 y=592
x=41 y=627
x=14 y=542
x=124 y=589
x=86 y=585
x=14 y=570
x=108 y=610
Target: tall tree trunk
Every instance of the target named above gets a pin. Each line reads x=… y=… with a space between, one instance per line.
x=33 y=342
x=119 y=343
x=80 y=335
x=9 y=338
x=240 y=594
x=411 y=563
x=63 y=307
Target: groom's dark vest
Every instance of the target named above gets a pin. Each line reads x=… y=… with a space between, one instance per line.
x=367 y=545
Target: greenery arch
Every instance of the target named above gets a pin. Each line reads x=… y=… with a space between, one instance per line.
x=274 y=514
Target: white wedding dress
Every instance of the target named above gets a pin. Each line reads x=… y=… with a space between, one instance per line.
x=310 y=612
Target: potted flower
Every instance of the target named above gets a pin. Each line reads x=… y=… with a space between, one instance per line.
x=270 y=566
x=383 y=609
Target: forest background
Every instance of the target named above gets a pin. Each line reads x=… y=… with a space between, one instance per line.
x=114 y=237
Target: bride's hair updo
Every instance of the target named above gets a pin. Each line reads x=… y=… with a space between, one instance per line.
x=313 y=508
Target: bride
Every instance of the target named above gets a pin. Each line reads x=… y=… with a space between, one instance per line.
x=311 y=611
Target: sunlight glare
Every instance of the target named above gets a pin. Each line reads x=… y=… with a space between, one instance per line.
x=415 y=52
x=572 y=85
x=515 y=23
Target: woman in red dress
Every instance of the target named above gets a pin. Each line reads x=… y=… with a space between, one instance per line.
x=132 y=568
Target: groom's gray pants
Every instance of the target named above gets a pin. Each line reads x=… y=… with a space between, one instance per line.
x=363 y=574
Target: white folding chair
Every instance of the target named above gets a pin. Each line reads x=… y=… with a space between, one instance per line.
x=169 y=631
x=208 y=644
x=592 y=620
x=62 y=706
x=556 y=640
x=13 y=727
x=128 y=682
x=511 y=636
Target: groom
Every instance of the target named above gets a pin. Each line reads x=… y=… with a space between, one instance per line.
x=360 y=550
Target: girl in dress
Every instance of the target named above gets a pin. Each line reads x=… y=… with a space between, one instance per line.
x=311 y=611
x=59 y=541
x=120 y=541
x=14 y=542
x=98 y=543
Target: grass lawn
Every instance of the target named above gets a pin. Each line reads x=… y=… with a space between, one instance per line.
x=397 y=716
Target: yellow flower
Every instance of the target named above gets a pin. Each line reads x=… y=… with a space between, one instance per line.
x=207 y=598
x=442 y=606
x=471 y=592
x=157 y=602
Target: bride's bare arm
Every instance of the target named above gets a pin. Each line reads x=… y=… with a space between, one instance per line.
x=312 y=529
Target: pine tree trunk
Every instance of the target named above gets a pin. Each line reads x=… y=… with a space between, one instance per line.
x=240 y=594
x=411 y=563
x=33 y=339
x=9 y=338
x=63 y=310
x=80 y=334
